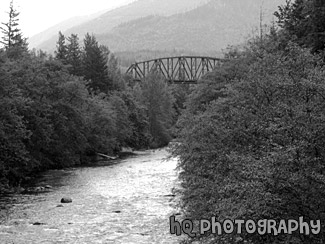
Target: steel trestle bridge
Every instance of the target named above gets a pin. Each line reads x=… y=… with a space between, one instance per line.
x=183 y=69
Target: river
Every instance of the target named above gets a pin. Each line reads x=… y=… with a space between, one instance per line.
x=126 y=202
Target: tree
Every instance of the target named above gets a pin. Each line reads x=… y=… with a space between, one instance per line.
x=139 y=137
x=156 y=96
x=14 y=158
x=95 y=65
x=12 y=39
x=253 y=148
x=114 y=73
x=303 y=21
x=61 y=52
x=74 y=55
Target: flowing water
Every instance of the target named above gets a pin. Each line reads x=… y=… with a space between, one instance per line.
x=127 y=202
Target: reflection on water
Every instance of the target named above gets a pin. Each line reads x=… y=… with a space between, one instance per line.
x=126 y=202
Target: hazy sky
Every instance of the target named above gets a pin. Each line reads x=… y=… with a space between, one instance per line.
x=38 y=15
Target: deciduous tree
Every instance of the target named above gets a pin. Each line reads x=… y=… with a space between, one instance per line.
x=304 y=22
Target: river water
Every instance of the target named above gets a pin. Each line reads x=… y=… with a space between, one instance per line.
x=127 y=202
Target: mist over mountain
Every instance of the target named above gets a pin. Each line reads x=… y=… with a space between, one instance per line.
x=42 y=37
x=202 y=26
x=99 y=24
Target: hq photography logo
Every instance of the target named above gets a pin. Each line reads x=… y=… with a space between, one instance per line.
x=238 y=226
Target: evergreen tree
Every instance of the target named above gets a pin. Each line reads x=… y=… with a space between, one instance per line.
x=12 y=39
x=74 y=55
x=95 y=65
x=61 y=52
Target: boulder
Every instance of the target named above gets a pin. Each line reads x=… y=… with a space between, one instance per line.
x=39 y=223
x=66 y=200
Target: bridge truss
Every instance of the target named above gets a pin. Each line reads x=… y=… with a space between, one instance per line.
x=184 y=69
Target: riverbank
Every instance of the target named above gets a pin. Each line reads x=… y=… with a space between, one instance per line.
x=97 y=159
x=127 y=202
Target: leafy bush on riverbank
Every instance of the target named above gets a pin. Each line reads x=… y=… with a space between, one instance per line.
x=253 y=137
x=49 y=119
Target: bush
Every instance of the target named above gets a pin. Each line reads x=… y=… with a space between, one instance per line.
x=253 y=148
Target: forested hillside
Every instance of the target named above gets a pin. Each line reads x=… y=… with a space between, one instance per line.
x=42 y=37
x=59 y=111
x=206 y=29
x=107 y=21
x=205 y=26
x=252 y=137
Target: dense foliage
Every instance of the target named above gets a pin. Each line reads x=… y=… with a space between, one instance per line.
x=252 y=139
x=303 y=22
x=58 y=111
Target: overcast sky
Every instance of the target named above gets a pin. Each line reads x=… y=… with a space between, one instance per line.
x=38 y=15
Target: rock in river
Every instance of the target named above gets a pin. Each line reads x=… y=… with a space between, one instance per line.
x=39 y=223
x=66 y=200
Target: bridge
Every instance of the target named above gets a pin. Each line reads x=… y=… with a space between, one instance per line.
x=184 y=69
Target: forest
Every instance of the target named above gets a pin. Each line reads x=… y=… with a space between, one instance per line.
x=59 y=110
x=252 y=135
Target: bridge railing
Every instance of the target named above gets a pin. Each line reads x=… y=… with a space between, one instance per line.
x=184 y=69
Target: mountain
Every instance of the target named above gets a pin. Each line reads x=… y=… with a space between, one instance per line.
x=107 y=21
x=42 y=37
x=205 y=29
x=200 y=26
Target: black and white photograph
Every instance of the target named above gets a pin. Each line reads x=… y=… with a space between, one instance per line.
x=162 y=122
